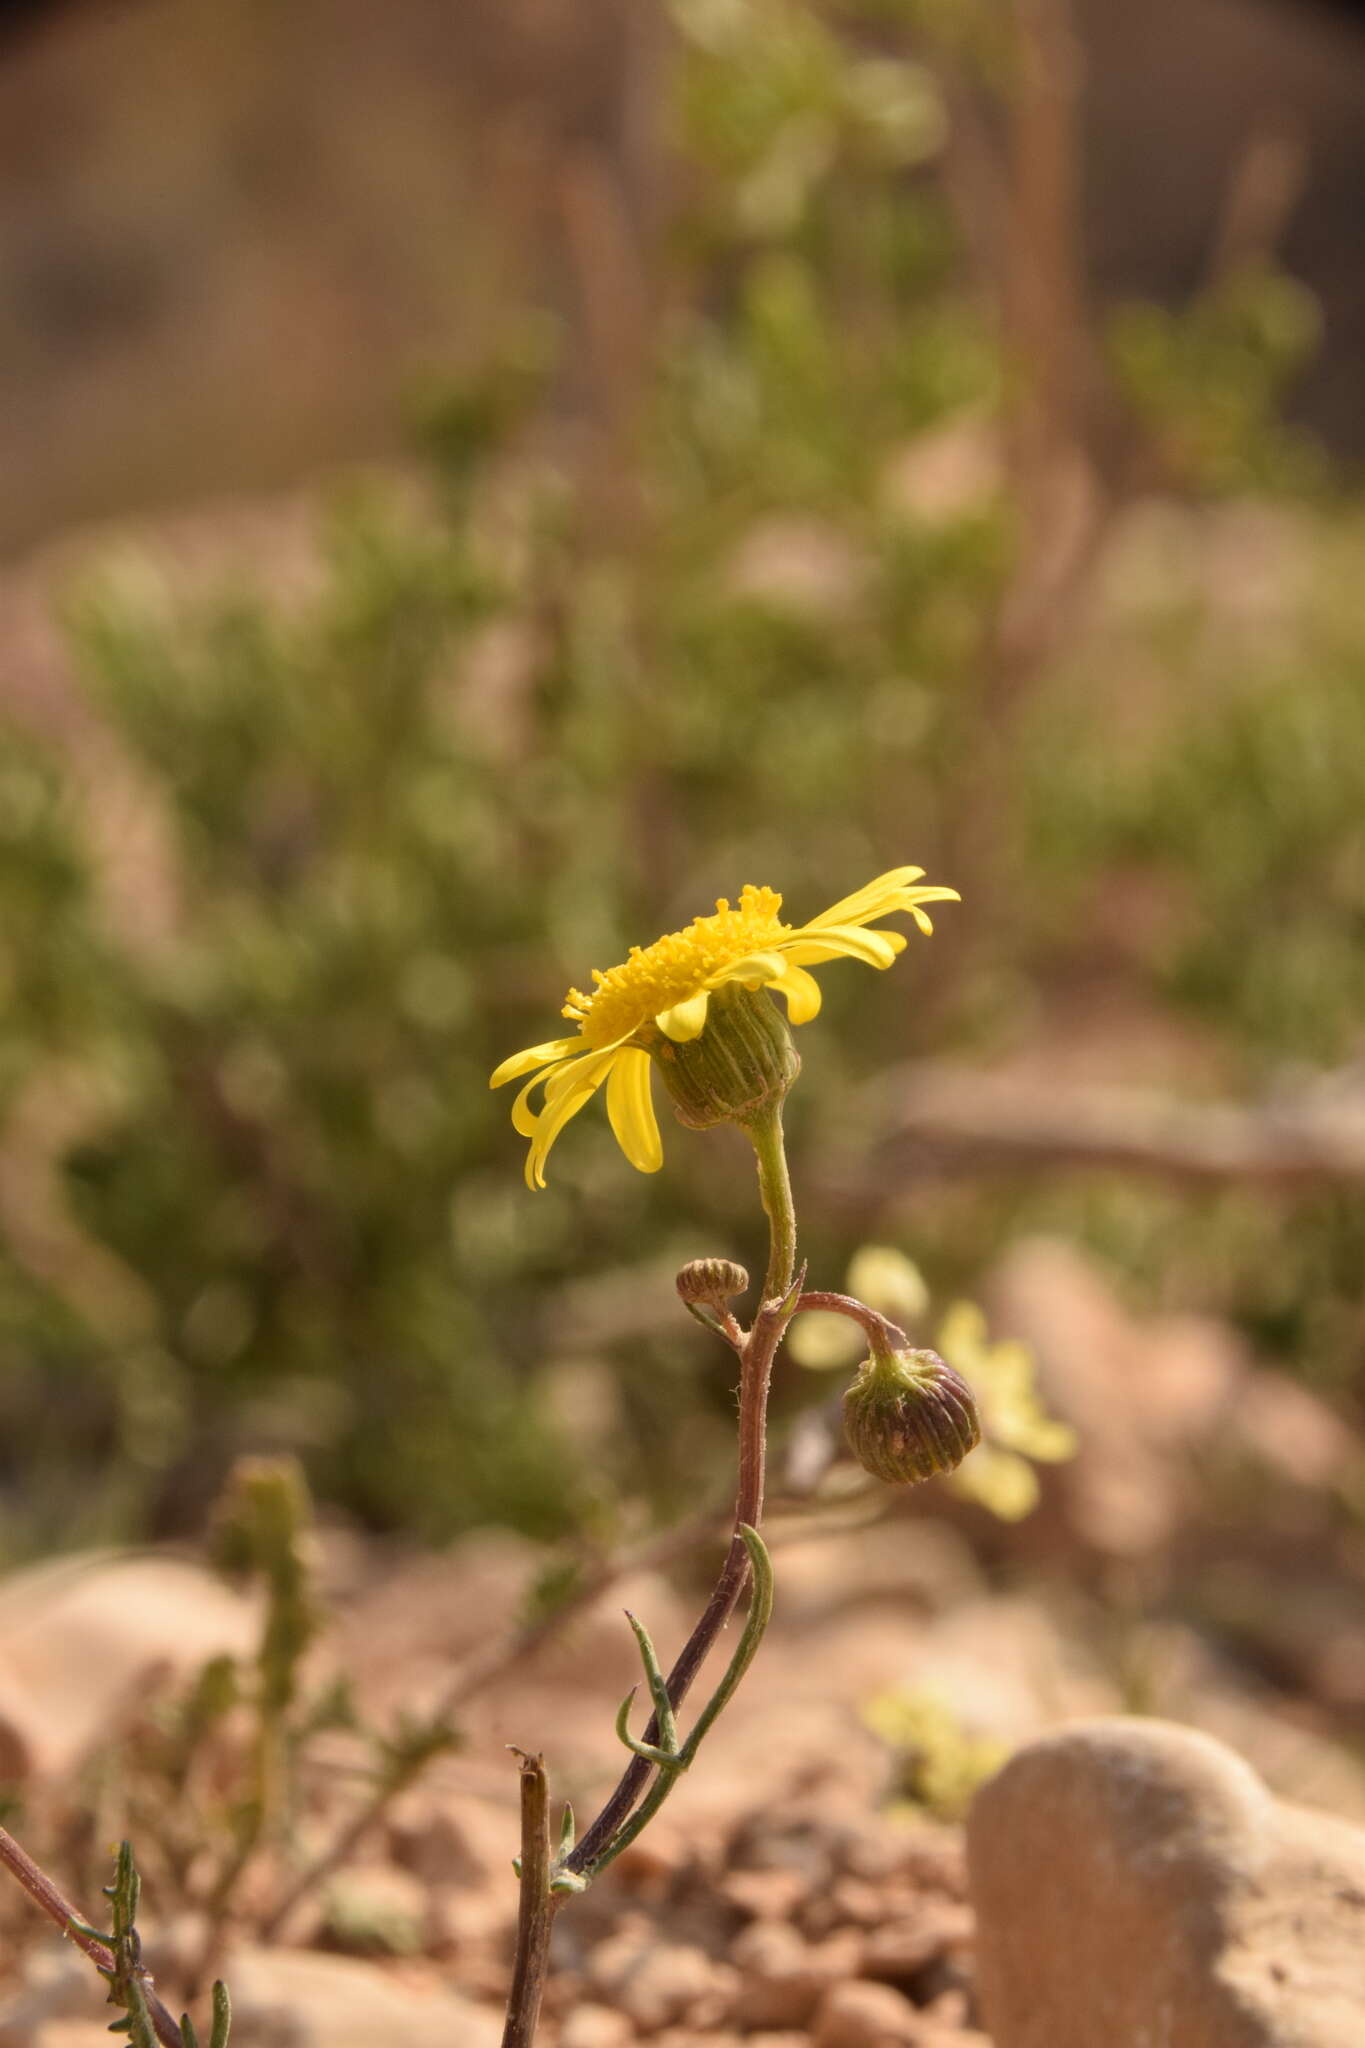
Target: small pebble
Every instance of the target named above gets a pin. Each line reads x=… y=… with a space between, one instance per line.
x=857 y=2015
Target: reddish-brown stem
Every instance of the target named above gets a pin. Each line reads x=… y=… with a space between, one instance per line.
x=481 y=1670
x=45 y=1894
x=755 y=1374
x=879 y=1330
x=537 y=1907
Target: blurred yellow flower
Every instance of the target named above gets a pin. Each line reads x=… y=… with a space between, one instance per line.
x=877 y=1274
x=664 y=991
x=939 y=1762
x=1016 y=1432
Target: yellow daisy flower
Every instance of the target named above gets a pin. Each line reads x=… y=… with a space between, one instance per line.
x=663 y=991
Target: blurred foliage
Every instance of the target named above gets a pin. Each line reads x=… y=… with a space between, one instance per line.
x=1207 y=381
x=218 y=1777
x=1016 y=1431
x=256 y=1194
x=937 y=1763
x=1250 y=830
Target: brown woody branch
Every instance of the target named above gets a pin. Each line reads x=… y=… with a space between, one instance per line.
x=1314 y=1136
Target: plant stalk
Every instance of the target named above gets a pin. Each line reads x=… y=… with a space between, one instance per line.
x=878 y=1328
x=537 y=1904
x=45 y=1894
x=535 y=1912
x=755 y=1374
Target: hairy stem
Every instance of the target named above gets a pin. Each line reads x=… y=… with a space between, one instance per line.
x=756 y=1361
x=760 y=1613
x=775 y=1192
x=878 y=1329
x=44 y=1893
x=482 y=1669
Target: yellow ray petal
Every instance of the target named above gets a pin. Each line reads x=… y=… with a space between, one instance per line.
x=802 y=991
x=587 y=1077
x=630 y=1107
x=686 y=1019
x=526 y=1121
x=864 y=902
x=533 y=1057
x=755 y=968
x=828 y=942
x=524 y=1118
x=569 y=1074
x=566 y=1075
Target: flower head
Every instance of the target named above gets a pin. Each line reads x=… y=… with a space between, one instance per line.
x=661 y=995
x=908 y=1415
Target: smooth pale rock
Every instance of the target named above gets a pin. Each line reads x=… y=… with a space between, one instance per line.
x=321 y=2001
x=1136 y=1884
x=82 y=1639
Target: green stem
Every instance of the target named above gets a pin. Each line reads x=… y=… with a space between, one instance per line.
x=775 y=1192
x=100 y=1948
x=760 y=1614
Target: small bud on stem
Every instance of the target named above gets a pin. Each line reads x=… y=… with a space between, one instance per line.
x=909 y=1415
x=712 y=1283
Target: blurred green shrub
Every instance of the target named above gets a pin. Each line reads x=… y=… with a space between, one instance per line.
x=256 y=1194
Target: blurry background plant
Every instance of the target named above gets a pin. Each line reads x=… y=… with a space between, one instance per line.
x=847 y=547
x=1017 y=1434
x=936 y=1763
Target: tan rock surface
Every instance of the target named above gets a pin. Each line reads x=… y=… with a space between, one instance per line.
x=596 y=2026
x=1135 y=1883
x=82 y=1638
x=855 y=2015
x=783 y=1977
x=655 y=1982
x=322 y=2001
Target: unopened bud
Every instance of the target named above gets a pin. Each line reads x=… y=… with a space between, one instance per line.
x=712 y=1282
x=909 y=1415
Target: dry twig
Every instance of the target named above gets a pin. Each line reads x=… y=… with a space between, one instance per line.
x=1316 y=1135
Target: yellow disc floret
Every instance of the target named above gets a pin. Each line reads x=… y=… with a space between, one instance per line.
x=655 y=978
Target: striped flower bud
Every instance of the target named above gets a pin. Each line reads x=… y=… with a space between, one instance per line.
x=909 y=1415
x=741 y=1062
x=712 y=1282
